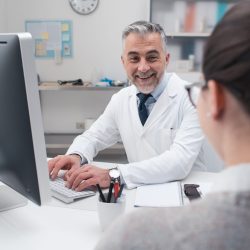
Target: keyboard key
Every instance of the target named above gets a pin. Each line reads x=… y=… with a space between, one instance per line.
x=59 y=191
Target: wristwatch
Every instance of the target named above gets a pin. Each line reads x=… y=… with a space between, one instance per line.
x=114 y=174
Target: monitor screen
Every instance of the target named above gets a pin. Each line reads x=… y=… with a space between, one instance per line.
x=23 y=162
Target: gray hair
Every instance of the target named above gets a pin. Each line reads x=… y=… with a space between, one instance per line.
x=143 y=28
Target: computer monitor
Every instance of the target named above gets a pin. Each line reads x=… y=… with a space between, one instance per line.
x=23 y=161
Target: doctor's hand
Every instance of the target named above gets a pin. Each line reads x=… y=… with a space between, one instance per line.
x=87 y=176
x=65 y=162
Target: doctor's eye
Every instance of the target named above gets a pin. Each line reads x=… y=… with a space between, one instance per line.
x=134 y=59
x=152 y=58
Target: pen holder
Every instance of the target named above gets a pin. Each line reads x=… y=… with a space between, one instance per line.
x=109 y=212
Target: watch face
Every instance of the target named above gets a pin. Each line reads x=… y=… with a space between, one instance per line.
x=83 y=7
x=114 y=173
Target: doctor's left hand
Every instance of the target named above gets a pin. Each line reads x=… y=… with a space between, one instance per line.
x=87 y=176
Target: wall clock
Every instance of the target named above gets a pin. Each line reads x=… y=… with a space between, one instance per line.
x=83 y=7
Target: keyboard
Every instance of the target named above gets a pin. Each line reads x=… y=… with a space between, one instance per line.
x=59 y=191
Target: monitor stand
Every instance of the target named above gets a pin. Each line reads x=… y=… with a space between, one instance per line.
x=10 y=199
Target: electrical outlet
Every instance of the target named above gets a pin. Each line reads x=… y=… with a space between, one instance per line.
x=80 y=125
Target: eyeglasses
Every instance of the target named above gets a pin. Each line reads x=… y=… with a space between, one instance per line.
x=195 y=88
x=191 y=191
x=194 y=91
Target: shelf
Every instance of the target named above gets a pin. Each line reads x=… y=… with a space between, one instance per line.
x=188 y=24
x=55 y=86
x=189 y=34
x=63 y=141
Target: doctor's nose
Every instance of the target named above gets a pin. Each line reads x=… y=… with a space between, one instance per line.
x=143 y=66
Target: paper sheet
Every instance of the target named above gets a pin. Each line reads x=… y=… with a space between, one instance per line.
x=159 y=195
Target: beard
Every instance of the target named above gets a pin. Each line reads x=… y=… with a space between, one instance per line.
x=145 y=82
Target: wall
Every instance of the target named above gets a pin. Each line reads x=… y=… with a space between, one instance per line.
x=96 y=53
x=96 y=37
x=3 y=18
x=62 y=110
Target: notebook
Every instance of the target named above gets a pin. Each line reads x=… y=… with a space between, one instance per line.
x=159 y=195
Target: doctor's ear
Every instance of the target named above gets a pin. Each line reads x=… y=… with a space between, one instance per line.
x=122 y=59
x=216 y=99
x=167 y=58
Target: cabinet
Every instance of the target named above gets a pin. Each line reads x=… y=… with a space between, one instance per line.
x=187 y=25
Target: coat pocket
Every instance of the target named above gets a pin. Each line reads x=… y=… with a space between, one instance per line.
x=165 y=138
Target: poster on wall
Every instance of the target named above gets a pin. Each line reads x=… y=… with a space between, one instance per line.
x=52 y=38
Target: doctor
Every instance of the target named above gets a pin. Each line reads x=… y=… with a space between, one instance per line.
x=153 y=117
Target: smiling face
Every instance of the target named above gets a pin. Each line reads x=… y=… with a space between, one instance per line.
x=144 y=60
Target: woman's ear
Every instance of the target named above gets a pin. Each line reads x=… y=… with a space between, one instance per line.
x=216 y=99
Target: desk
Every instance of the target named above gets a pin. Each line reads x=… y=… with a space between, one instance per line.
x=61 y=226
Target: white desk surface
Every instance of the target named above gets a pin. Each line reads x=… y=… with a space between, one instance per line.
x=61 y=226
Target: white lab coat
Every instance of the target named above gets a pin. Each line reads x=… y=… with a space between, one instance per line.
x=164 y=149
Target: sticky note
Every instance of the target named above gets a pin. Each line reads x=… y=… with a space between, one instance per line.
x=45 y=35
x=65 y=27
x=65 y=37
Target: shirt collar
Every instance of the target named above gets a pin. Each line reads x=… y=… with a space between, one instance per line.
x=233 y=178
x=160 y=87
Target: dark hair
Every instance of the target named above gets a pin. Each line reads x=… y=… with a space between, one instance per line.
x=227 y=53
x=143 y=28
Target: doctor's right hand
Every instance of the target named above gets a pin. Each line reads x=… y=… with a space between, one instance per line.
x=65 y=162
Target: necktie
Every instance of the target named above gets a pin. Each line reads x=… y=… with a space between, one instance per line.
x=142 y=110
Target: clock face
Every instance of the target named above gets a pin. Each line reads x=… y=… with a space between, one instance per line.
x=83 y=7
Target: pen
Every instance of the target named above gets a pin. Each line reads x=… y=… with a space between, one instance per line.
x=120 y=192
x=110 y=191
x=116 y=188
x=171 y=133
x=100 y=192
